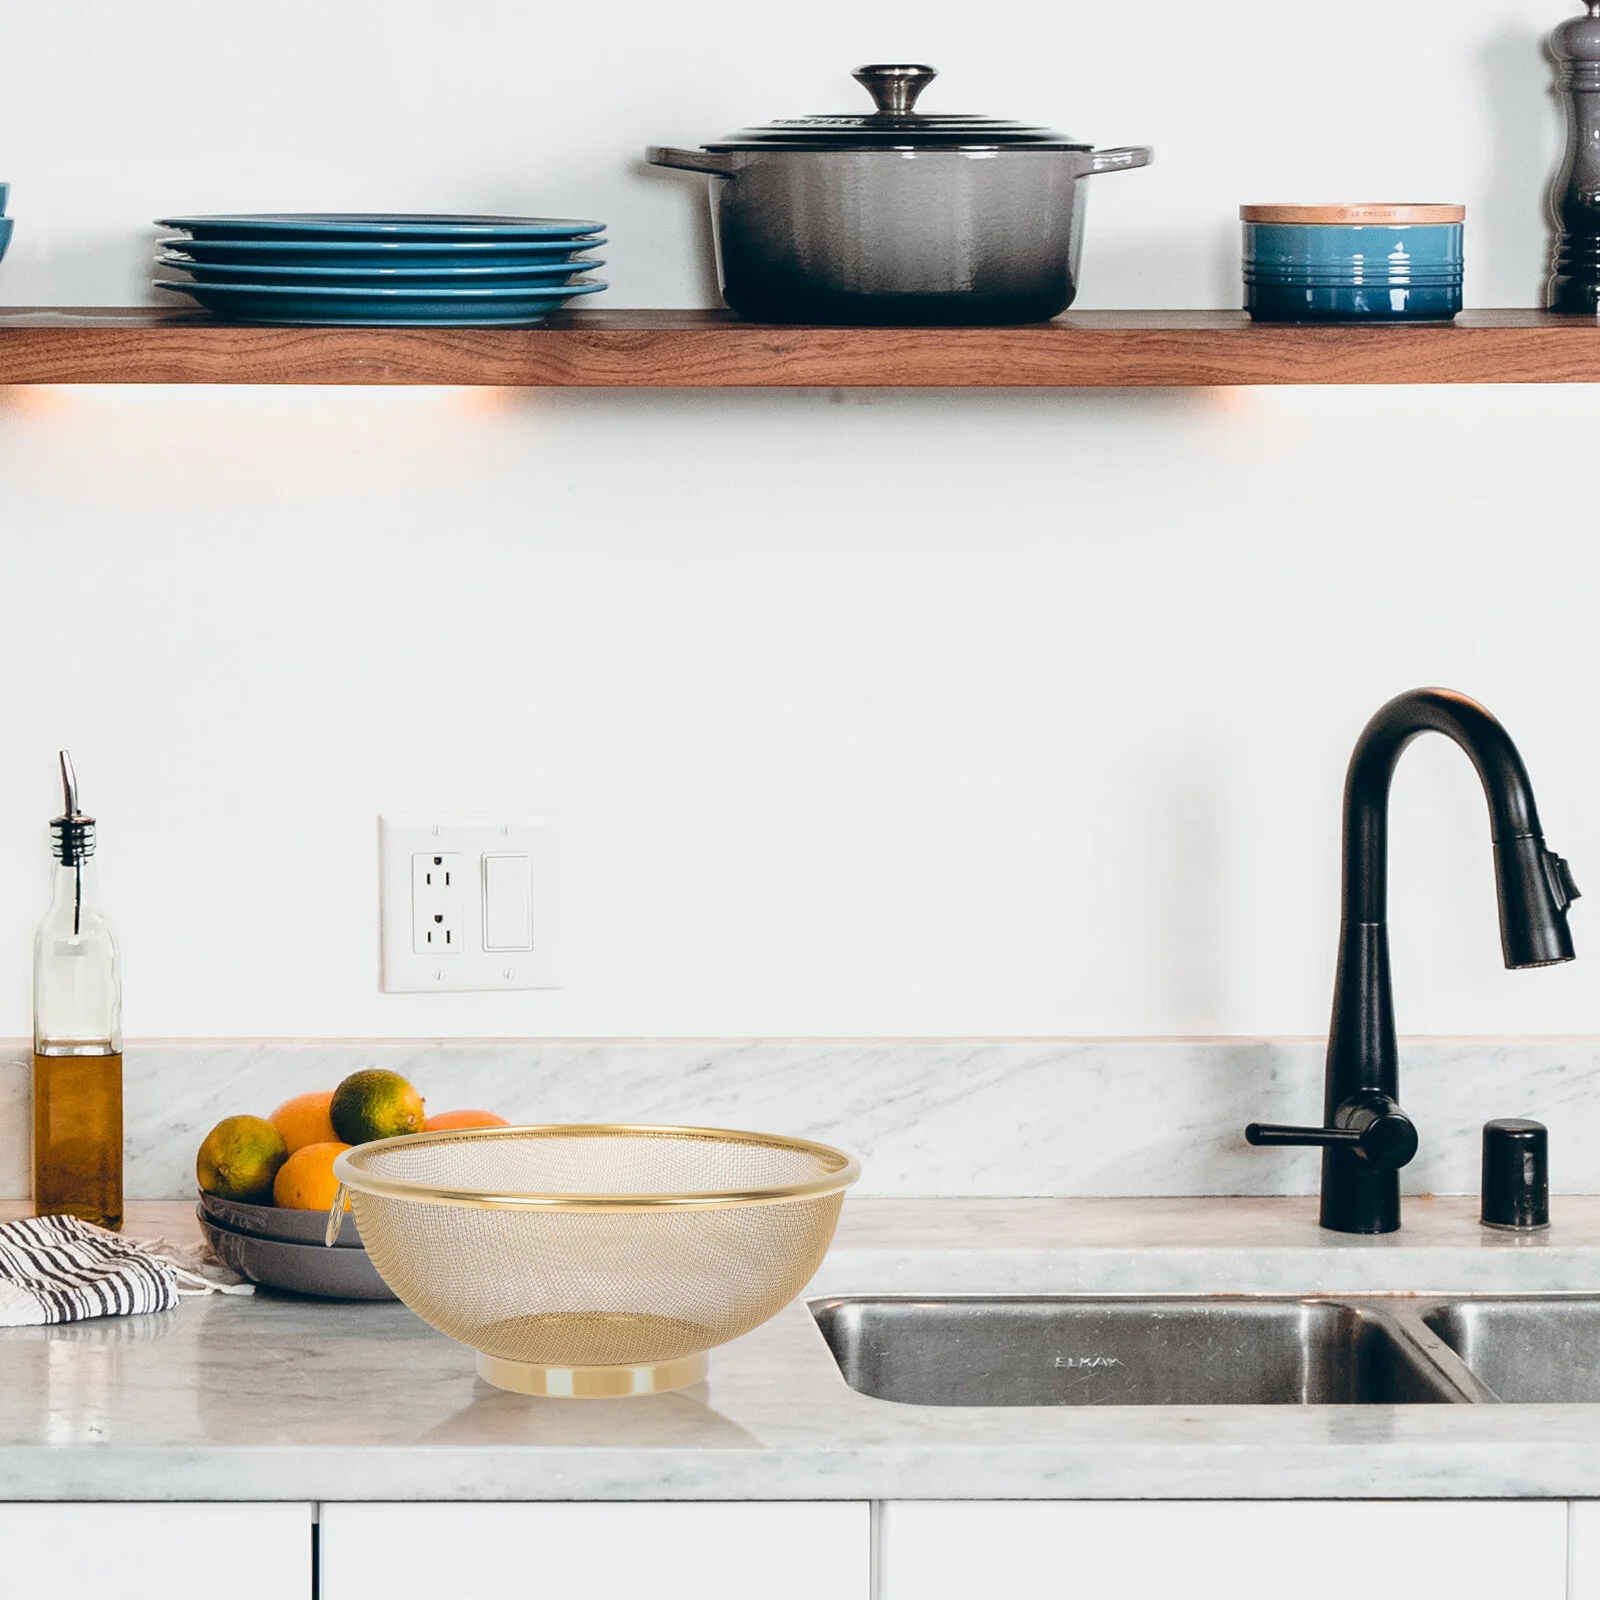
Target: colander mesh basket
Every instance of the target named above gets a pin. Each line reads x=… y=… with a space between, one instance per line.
x=604 y=1259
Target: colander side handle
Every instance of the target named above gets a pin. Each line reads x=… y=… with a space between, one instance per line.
x=336 y=1218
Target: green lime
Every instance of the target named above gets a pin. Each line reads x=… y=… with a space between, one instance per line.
x=239 y=1158
x=375 y=1105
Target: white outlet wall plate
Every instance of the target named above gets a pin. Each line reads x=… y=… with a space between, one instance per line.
x=466 y=903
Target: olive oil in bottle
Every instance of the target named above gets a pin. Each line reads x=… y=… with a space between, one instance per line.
x=77 y=1034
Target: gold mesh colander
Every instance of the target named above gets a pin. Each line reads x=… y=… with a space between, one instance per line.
x=600 y=1259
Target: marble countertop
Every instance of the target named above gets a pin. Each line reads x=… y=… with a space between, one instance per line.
x=273 y=1398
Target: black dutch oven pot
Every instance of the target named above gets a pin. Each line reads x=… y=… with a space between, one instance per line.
x=898 y=216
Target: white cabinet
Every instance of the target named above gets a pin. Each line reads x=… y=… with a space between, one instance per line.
x=155 y=1551
x=623 y=1551
x=1225 y=1550
x=1584 y=1550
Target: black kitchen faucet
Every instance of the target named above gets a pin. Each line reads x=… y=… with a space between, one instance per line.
x=1367 y=1137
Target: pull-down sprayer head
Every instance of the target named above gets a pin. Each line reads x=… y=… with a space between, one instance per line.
x=1536 y=887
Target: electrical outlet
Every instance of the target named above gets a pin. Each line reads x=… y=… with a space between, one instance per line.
x=436 y=896
x=466 y=904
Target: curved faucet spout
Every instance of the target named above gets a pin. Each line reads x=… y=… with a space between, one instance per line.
x=1535 y=886
x=1366 y=1138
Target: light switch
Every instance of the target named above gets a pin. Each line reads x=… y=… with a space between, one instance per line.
x=507 y=902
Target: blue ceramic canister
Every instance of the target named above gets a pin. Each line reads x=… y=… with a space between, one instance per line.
x=1353 y=263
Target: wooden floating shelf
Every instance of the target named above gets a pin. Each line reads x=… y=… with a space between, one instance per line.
x=713 y=349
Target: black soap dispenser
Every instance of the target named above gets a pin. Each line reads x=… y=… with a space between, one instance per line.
x=1516 y=1175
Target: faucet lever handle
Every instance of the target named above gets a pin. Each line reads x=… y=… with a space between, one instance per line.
x=1271 y=1133
x=1374 y=1128
x=1280 y=1133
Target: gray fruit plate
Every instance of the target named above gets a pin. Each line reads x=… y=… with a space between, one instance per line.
x=310 y=1269
x=278 y=1222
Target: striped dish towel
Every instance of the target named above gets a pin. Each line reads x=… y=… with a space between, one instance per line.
x=59 y=1269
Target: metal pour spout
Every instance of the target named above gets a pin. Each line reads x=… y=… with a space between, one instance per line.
x=69 y=786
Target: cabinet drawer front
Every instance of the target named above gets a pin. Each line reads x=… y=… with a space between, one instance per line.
x=1224 y=1550
x=156 y=1551
x=1584 y=1529
x=623 y=1551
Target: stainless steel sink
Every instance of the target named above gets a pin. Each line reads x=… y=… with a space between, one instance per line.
x=1130 y=1351
x=1543 y=1349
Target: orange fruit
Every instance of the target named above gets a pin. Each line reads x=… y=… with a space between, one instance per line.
x=305 y=1182
x=305 y=1120
x=463 y=1119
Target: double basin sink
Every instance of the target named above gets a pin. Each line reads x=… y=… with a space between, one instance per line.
x=1216 y=1351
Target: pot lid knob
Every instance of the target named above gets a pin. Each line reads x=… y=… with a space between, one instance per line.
x=895 y=88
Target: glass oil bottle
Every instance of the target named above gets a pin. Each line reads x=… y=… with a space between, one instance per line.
x=77 y=1034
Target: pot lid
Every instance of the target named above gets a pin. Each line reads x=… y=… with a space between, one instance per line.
x=896 y=124
x=1380 y=215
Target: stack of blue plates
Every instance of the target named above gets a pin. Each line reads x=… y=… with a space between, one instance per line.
x=323 y=269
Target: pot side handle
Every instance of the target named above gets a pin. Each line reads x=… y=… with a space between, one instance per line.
x=714 y=163
x=1122 y=159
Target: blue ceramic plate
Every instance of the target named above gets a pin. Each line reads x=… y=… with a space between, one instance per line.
x=256 y=302
x=398 y=319
x=377 y=252
x=536 y=275
x=359 y=225
x=342 y=294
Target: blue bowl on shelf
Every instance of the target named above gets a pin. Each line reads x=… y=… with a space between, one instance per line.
x=6 y=226
x=1353 y=263
x=1364 y=303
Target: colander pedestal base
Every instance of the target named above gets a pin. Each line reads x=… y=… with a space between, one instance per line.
x=592 y=1383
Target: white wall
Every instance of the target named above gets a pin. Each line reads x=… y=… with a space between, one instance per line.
x=923 y=713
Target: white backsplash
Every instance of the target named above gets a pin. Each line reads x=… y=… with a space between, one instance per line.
x=1040 y=1117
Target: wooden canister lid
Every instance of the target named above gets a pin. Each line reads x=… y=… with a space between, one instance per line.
x=1355 y=216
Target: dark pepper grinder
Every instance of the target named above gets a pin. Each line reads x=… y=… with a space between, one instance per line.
x=1575 y=286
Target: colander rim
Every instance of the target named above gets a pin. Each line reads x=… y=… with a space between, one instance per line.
x=846 y=1170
